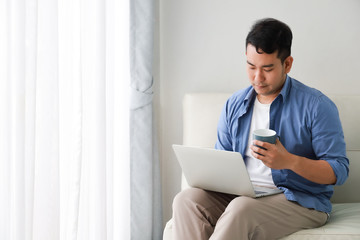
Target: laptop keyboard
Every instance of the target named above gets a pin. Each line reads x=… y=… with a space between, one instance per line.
x=259 y=192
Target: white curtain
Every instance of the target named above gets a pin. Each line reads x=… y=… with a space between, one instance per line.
x=65 y=170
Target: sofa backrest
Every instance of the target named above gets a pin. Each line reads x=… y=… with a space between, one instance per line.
x=201 y=113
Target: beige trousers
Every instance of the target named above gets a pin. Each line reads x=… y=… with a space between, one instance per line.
x=200 y=214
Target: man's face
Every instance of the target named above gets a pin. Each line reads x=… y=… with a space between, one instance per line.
x=266 y=73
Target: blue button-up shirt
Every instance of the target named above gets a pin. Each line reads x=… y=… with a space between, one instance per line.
x=308 y=124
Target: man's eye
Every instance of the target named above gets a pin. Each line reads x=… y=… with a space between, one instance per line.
x=268 y=70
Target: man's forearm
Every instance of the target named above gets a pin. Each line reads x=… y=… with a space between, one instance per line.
x=318 y=171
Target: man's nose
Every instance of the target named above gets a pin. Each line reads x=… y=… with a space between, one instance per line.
x=259 y=76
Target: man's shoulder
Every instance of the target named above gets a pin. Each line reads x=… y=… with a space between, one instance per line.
x=305 y=93
x=301 y=90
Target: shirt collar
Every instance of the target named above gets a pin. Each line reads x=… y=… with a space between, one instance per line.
x=250 y=96
x=284 y=91
x=286 y=88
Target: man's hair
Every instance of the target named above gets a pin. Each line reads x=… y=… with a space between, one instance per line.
x=270 y=35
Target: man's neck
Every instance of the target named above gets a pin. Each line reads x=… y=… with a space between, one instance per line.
x=266 y=99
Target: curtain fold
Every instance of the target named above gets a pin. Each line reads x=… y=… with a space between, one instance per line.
x=146 y=216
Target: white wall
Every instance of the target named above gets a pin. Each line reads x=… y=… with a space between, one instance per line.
x=201 y=47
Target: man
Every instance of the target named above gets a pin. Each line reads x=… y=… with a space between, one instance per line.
x=306 y=161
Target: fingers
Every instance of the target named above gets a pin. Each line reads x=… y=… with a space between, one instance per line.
x=272 y=155
x=263 y=145
x=258 y=150
x=262 y=149
x=257 y=155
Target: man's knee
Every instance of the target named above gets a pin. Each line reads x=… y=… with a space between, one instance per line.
x=242 y=209
x=188 y=197
x=238 y=221
x=242 y=204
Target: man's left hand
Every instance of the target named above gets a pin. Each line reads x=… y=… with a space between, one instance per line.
x=273 y=156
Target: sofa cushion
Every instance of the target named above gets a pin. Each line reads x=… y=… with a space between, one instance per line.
x=344 y=223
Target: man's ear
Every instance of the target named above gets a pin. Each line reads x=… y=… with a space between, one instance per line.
x=288 y=64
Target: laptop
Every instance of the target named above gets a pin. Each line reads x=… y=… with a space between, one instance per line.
x=219 y=171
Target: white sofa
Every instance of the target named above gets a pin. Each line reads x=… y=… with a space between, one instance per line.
x=201 y=112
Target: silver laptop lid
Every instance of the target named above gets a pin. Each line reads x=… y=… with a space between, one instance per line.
x=215 y=170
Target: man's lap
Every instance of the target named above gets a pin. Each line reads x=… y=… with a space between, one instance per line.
x=272 y=215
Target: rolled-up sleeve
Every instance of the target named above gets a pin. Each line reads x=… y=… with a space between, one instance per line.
x=328 y=138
